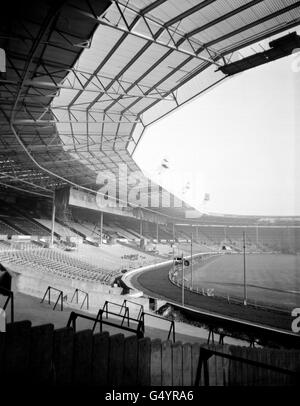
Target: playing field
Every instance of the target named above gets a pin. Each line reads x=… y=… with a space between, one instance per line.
x=272 y=279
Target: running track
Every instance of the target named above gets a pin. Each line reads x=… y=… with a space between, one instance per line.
x=155 y=283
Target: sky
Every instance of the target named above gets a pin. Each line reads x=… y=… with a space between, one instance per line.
x=236 y=143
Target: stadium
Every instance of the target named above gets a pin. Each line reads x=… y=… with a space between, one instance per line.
x=108 y=278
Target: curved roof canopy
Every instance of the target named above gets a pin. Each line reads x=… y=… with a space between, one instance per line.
x=85 y=78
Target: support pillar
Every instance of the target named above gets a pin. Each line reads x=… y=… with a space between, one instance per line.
x=53 y=221
x=101 y=228
x=141 y=228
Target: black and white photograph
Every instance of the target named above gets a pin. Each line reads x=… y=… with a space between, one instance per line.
x=149 y=199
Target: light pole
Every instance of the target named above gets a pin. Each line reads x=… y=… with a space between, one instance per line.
x=245 y=288
x=173 y=259
x=182 y=287
x=192 y=260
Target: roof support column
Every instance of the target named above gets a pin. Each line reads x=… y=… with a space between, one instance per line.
x=101 y=228
x=53 y=221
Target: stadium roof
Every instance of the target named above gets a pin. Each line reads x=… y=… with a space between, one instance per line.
x=85 y=78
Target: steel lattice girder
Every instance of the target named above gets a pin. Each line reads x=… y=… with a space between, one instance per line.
x=106 y=104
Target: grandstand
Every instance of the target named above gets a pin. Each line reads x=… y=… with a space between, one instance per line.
x=7 y=229
x=60 y=229
x=277 y=238
x=55 y=263
x=82 y=81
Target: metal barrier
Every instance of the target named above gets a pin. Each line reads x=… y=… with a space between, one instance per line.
x=125 y=315
x=139 y=331
x=139 y=321
x=86 y=298
x=206 y=353
x=60 y=297
x=10 y=298
x=222 y=335
x=172 y=324
x=124 y=304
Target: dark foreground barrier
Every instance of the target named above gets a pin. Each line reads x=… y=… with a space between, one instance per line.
x=242 y=329
x=61 y=357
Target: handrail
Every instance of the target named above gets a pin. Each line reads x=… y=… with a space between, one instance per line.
x=60 y=297
x=10 y=298
x=206 y=353
x=125 y=315
x=139 y=331
x=172 y=323
x=130 y=301
x=86 y=298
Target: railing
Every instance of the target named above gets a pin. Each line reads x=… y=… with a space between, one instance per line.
x=125 y=315
x=139 y=331
x=10 y=298
x=172 y=324
x=206 y=353
x=60 y=297
x=124 y=304
x=85 y=300
x=222 y=335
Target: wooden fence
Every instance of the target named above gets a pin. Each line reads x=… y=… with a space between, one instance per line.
x=43 y=355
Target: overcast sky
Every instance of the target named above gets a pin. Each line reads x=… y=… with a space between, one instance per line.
x=237 y=143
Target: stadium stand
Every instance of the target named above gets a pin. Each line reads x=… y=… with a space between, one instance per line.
x=7 y=229
x=87 y=229
x=56 y=263
x=27 y=227
x=115 y=256
x=60 y=229
x=81 y=82
x=262 y=238
x=4 y=245
x=120 y=232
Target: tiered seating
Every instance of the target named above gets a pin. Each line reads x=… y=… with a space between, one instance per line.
x=163 y=233
x=114 y=257
x=263 y=238
x=277 y=238
x=59 y=229
x=126 y=225
x=57 y=263
x=6 y=229
x=120 y=231
x=28 y=227
x=164 y=250
x=296 y=239
x=90 y=230
x=81 y=228
x=236 y=234
x=4 y=245
x=22 y=245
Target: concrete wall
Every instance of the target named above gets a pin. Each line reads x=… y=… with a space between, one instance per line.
x=36 y=283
